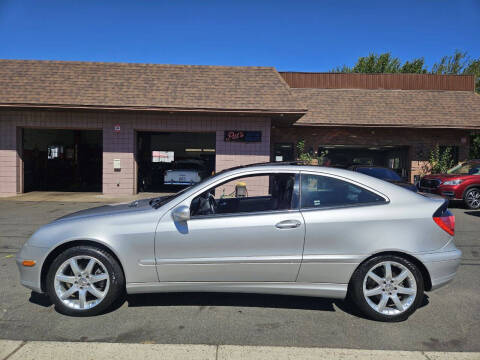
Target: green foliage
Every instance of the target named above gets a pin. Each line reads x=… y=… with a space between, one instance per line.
x=321 y=157
x=475 y=146
x=383 y=63
x=307 y=157
x=303 y=155
x=440 y=161
x=454 y=64
x=416 y=66
x=473 y=68
x=458 y=63
x=373 y=63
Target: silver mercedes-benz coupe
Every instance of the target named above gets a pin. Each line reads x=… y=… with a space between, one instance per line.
x=274 y=229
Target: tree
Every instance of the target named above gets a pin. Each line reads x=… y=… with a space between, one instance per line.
x=416 y=66
x=473 y=68
x=440 y=161
x=384 y=63
x=451 y=65
x=459 y=63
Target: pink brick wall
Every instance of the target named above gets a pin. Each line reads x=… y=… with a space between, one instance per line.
x=8 y=159
x=122 y=145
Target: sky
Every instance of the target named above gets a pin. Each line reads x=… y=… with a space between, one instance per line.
x=289 y=35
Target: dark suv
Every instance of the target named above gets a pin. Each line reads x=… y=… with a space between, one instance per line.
x=462 y=182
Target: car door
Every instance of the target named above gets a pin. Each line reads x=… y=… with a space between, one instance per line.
x=248 y=239
x=345 y=221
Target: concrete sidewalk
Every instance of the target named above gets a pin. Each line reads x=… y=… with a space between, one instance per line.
x=26 y=350
x=90 y=197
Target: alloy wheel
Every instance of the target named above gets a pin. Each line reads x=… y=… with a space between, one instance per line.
x=473 y=199
x=389 y=288
x=81 y=282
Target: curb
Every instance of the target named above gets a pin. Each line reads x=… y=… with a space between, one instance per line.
x=26 y=350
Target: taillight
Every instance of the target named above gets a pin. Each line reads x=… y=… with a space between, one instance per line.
x=445 y=219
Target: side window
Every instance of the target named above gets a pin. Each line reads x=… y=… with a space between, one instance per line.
x=323 y=191
x=257 y=193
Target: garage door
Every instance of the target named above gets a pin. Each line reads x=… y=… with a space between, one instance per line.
x=62 y=160
x=170 y=161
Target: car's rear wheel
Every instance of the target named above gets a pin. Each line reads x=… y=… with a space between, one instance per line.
x=472 y=198
x=84 y=281
x=387 y=288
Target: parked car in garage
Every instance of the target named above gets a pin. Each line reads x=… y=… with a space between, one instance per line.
x=302 y=230
x=461 y=182
x=384 y=174
x=186 y=172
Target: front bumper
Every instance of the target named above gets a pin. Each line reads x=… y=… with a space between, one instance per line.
x=442 y=266
x=447 y=191
x=30 y=277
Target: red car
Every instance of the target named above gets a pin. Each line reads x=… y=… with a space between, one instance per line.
x=459 y=183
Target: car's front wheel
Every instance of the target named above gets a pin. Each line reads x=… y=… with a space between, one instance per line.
x=472 y=199
x=387 y=288
x=84 y=281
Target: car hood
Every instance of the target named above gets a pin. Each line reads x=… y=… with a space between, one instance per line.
x=442 y=176
x=110 y=209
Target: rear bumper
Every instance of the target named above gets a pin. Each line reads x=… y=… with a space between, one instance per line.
x=442 y=266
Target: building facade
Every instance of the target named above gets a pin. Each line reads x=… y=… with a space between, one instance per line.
x=117 y=128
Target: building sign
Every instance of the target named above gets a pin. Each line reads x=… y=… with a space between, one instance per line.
x=243 y=136
x=162 y=156
x=116 y=128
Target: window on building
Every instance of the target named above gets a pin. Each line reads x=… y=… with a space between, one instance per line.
x=323 y=191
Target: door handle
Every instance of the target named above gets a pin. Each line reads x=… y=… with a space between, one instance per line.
x=288 y=224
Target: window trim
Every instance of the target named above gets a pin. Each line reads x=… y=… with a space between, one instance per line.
x=256 y=213
x=297 y=178
x=342 y=206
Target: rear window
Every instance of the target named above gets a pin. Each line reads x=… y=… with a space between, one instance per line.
x=322 y=191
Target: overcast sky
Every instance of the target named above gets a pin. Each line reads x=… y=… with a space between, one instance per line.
x=290 y=35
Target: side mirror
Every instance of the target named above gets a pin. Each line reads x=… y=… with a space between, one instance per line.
x=181 y=213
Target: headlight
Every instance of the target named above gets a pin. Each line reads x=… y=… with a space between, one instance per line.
x=453 y=182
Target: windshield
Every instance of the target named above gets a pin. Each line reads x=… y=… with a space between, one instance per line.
x=465 y=169
x=380 y=173
x=187 y=166
x=162 y=200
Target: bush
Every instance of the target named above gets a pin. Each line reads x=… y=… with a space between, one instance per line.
x=441 y=161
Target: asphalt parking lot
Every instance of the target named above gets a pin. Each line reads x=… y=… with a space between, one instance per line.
x=449 y=320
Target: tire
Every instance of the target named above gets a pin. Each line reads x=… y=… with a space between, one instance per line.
x=371 y=285
x=97 y=275
x=472 y=199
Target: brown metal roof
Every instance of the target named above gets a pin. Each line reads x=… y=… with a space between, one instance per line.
x=144 y=86
x=380 y=81
x=392 y=108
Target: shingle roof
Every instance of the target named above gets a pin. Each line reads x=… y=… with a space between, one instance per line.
x=404 y=108
x=145 y=86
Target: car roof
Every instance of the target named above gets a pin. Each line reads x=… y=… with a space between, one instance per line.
x=392 y=192
x=301 y=166
x=369 y=166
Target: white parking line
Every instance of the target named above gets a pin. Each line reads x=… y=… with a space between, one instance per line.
x=18 y=350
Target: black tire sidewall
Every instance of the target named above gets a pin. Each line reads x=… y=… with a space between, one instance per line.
x=356 y=288
x=117 y=279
